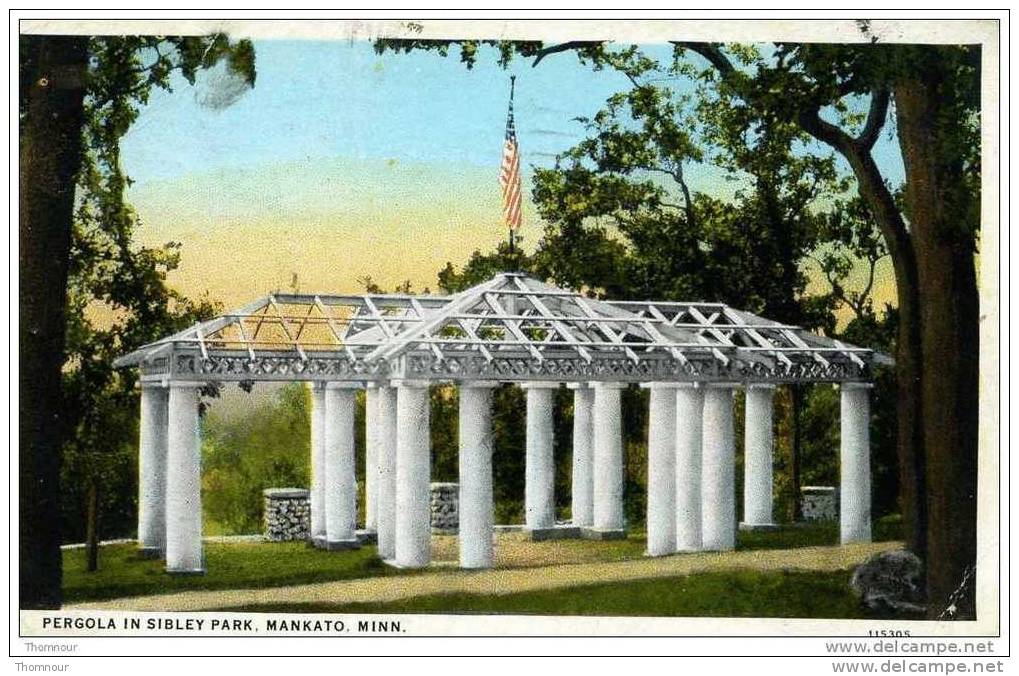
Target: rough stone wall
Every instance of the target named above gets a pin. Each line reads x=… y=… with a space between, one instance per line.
x=445 y=500
x=819 y=503
x=286 y=514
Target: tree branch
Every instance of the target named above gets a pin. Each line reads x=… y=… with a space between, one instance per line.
x=712 y=52
x=563 y=47
x=875 y=119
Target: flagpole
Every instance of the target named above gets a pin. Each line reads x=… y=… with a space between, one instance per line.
x=513 y=84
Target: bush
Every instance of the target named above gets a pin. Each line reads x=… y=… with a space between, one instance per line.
x=266 y=447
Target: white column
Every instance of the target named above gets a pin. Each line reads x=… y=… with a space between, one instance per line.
x=661 y=470
x=386 y=500
x=689 y=412
x=718 y=470
x=152 y=471
x=371 y=457
x=318 y=461
x=183 y=482
x=340 y=479
x=758 y=456
x=476 y=506
x=413 y=468
x=539 y=476
x=582 y=485
x=608 y=457
x=854 y=493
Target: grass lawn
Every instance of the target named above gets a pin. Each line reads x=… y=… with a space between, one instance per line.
x=252 y=565
x=234 y=565
x=721 y=594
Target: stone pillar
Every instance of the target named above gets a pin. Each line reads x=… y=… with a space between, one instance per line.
x=582 y=485
x=413 y=468
x=340 y=480
x=371 y=457
x=385 y=504
x=718 y=470
x=758 y=457
x=689 y=412
x=539 y=478
x=318 y=461
x=608 y=459
x=854 y=493
x=152 y=471
x=476 y=505
x=661 y=470
x=183 y=482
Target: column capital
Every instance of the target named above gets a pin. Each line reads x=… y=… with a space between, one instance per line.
x=185 y=385
x=344 y=385
x=608 y=385
x=578 y=386
x=315 y=385
x=412 y=384
x=852 y=385
x=760 y=386
x=158 y=385
x=662 y=385
x=477 y=384
x=540 y=385
x=722 y=386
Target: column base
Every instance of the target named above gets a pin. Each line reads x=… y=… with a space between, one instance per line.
x=563 y=532
x=186 y=571
x=149 y=553
x=603 y=533
x=368 y=537
x=399 y=566
x=718 y=550
x=339 y=545
x=758 y=526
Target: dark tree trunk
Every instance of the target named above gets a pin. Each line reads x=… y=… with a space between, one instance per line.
x=949 y=328
x=92 y=528
x=52 y=90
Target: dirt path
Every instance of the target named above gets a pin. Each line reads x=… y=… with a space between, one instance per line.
x=503 y=581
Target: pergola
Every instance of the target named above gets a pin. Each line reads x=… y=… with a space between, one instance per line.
x=510 y=329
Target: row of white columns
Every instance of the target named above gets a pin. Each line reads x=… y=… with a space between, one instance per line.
x=691 y=469
x=691 y=465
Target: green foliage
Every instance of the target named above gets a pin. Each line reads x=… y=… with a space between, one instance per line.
x=268 y=446
x=117 y=295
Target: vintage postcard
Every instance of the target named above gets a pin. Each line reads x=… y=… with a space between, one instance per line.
x=383 y=327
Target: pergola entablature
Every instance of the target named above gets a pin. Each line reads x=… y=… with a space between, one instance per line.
x=512 y=328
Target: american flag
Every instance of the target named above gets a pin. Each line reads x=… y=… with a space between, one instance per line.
x=509 y=177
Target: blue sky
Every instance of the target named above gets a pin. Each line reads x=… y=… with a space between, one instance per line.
x=337 y=152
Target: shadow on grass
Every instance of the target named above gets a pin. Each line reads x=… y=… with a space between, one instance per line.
x=722 y=594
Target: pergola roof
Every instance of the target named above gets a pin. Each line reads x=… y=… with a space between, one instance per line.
x=510 y=328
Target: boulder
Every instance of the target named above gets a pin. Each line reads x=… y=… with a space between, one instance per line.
x=890 y=581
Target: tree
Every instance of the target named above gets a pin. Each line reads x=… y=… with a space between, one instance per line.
x=78 y=96
x=931 y=237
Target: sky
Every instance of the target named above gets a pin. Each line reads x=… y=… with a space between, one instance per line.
x=342 y=164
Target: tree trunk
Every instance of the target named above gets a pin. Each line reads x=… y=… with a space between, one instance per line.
x=92 y=528
x=53 y=80
x=945 y=248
